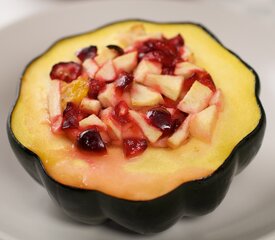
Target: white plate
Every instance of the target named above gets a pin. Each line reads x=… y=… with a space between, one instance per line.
x=247 y=212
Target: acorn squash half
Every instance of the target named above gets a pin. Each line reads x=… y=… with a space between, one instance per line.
x=152 y=192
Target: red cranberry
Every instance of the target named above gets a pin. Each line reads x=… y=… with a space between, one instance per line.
x=168 y=70
x=95 y=86
x=70 y=116
x=88 y=52
x=157 y=56
x=66 y=71
x=175 y=125
x=120 y=112
x=178 y=119
x=176 y=41
x=134 y=146
x=118 y=49
x=124 y=81
x=90 y=140
x=165 y=51
x=201 y=76
x=160 y=118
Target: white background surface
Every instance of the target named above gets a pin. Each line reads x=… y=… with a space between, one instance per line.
x=22 y=212
x=11 y=10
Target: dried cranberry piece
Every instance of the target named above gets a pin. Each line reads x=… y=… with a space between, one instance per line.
x=157 y=56
x=118 y=49
x=178 y=119
x=168 y=70
x=70 y=116
x=88 y=52
x=90 y=140
x=167 y=48
x=95 y=86
x=66 y=71
x=121 y=111
x=164 y=51
x=147 y=46
x=176 y=41
x=134 y=146
x=124 y=81
x=160 y=118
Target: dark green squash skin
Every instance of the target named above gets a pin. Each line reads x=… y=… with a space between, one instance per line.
x=194 y=198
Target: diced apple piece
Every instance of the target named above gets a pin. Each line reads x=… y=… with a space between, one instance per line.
x=150 y=132
x=92 y=120
x=146 y=67
x=187 y=55
x=126 y=97
x=169 y=86
x=105 y=137
x=142 y=96
x=113 y=126
x=161 y=143
x=126 y=62
x=186 y=69
x=107 y=97
x=137 y=30
x=107 y=72
x=54 y=105
x=203 y=123
x=105 y=55
x=180 y=135
x=217 y=99
x=147 y=37
x=90 y=67
x=132 y=130
x=127 y=38
x=90 y=105
x=196 y=99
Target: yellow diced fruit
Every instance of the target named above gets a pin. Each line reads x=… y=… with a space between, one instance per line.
x=74 y=91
